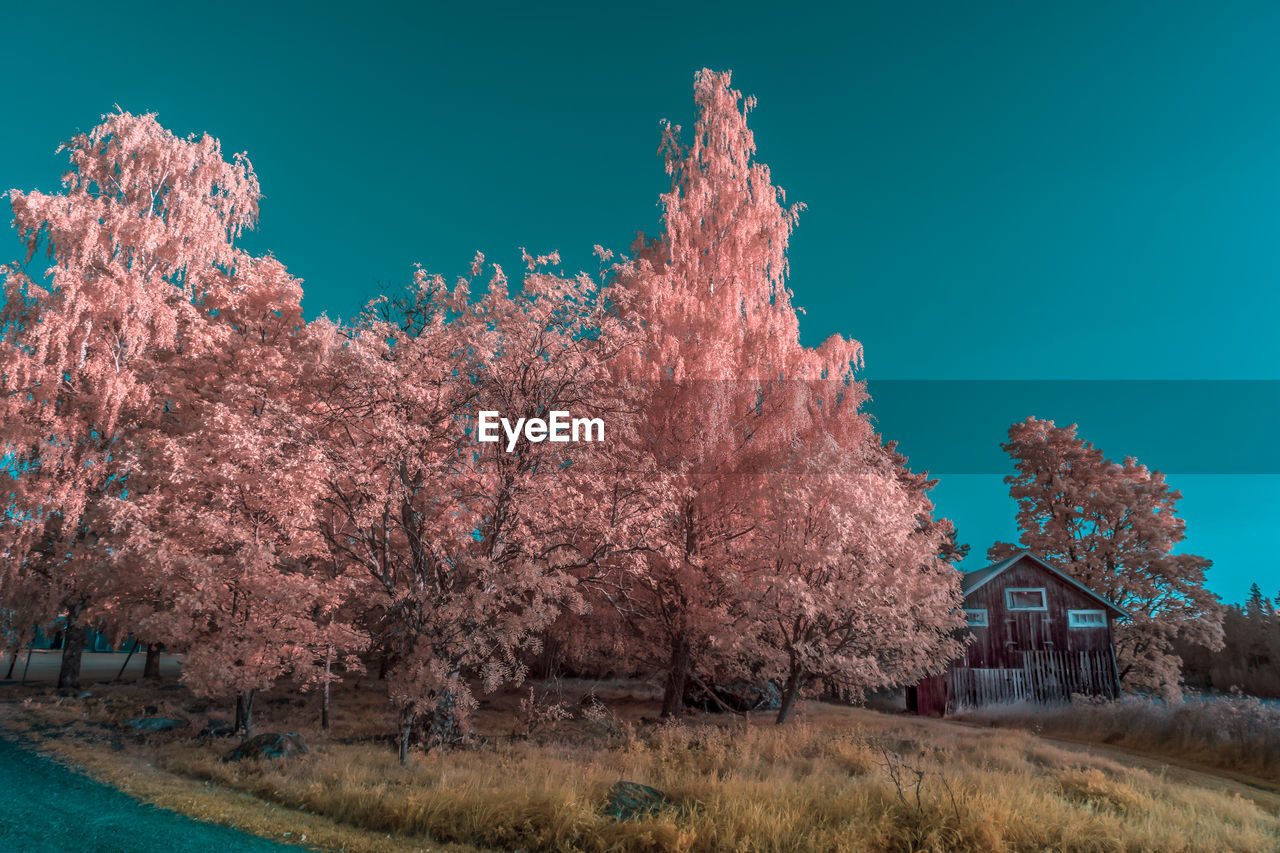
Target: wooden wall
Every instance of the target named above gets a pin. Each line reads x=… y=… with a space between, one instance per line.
x=929 y=697
x=1010 y=632
x=1025 y=655
x=1042 y=677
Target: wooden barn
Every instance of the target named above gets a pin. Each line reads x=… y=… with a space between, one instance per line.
x=1038 y=635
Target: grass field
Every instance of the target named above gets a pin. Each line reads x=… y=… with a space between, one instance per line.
x=1240 y=734
x=537 y=779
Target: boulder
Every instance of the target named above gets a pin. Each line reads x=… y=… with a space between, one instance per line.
x=156 y=724
x=633 y=801
x=269 y=745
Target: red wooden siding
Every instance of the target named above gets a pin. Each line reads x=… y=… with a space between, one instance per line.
x=1009 y=632
x=1025 y=655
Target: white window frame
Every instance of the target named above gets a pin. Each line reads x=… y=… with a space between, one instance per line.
x=1008 y=599
x=1074 y=616
x=976 y=617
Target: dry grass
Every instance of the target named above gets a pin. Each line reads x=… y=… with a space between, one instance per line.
x=839 y=780
x=1235 y=733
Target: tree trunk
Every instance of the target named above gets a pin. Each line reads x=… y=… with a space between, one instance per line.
x=72 y=649
x=244 y=713
x=445 y=728
x=127 y=658
x=26 y=666
x=324 y=698
x=17 y=650
x=406 y=732
x=151 y=668
x=677 y=679
x=789 y=695
x=548 y=663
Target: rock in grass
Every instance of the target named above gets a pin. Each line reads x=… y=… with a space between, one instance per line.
x=269 y=745
x=632 y=801
x=156 y=724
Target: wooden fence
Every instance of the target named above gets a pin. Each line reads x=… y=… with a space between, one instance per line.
x=1045 y=676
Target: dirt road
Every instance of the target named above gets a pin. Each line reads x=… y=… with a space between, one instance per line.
x=94 y=667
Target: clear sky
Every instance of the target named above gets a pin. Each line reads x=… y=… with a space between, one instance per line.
x=995 y=191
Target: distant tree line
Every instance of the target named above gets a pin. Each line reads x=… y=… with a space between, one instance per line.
x=1250 y=656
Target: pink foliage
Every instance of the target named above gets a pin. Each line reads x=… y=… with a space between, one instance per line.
x=1113 y=526
x=464 y=552
x=141 y=233
x=772 y=471
x=199 y=466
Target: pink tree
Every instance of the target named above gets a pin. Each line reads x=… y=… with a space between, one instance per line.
x=221 y=549
x=860 y=592
x=143 y=229
x=728 y=390
x=466 y=551
x=1113 y=526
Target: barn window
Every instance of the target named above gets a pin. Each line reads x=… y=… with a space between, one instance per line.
x=1086 y=619
x=1025 y=598
x=977 y=616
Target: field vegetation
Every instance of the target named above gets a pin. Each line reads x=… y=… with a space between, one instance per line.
x=538 y=776
x=1236 y=733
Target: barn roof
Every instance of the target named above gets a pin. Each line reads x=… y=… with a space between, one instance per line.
x=971 y=581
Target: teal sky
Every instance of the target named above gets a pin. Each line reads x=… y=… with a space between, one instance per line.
x=1031 y=191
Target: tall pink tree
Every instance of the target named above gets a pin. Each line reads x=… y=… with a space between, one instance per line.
x=1113 y=526
x=143 y=228
x=729 y=392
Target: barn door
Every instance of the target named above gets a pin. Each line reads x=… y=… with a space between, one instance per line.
x=1031 y=631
